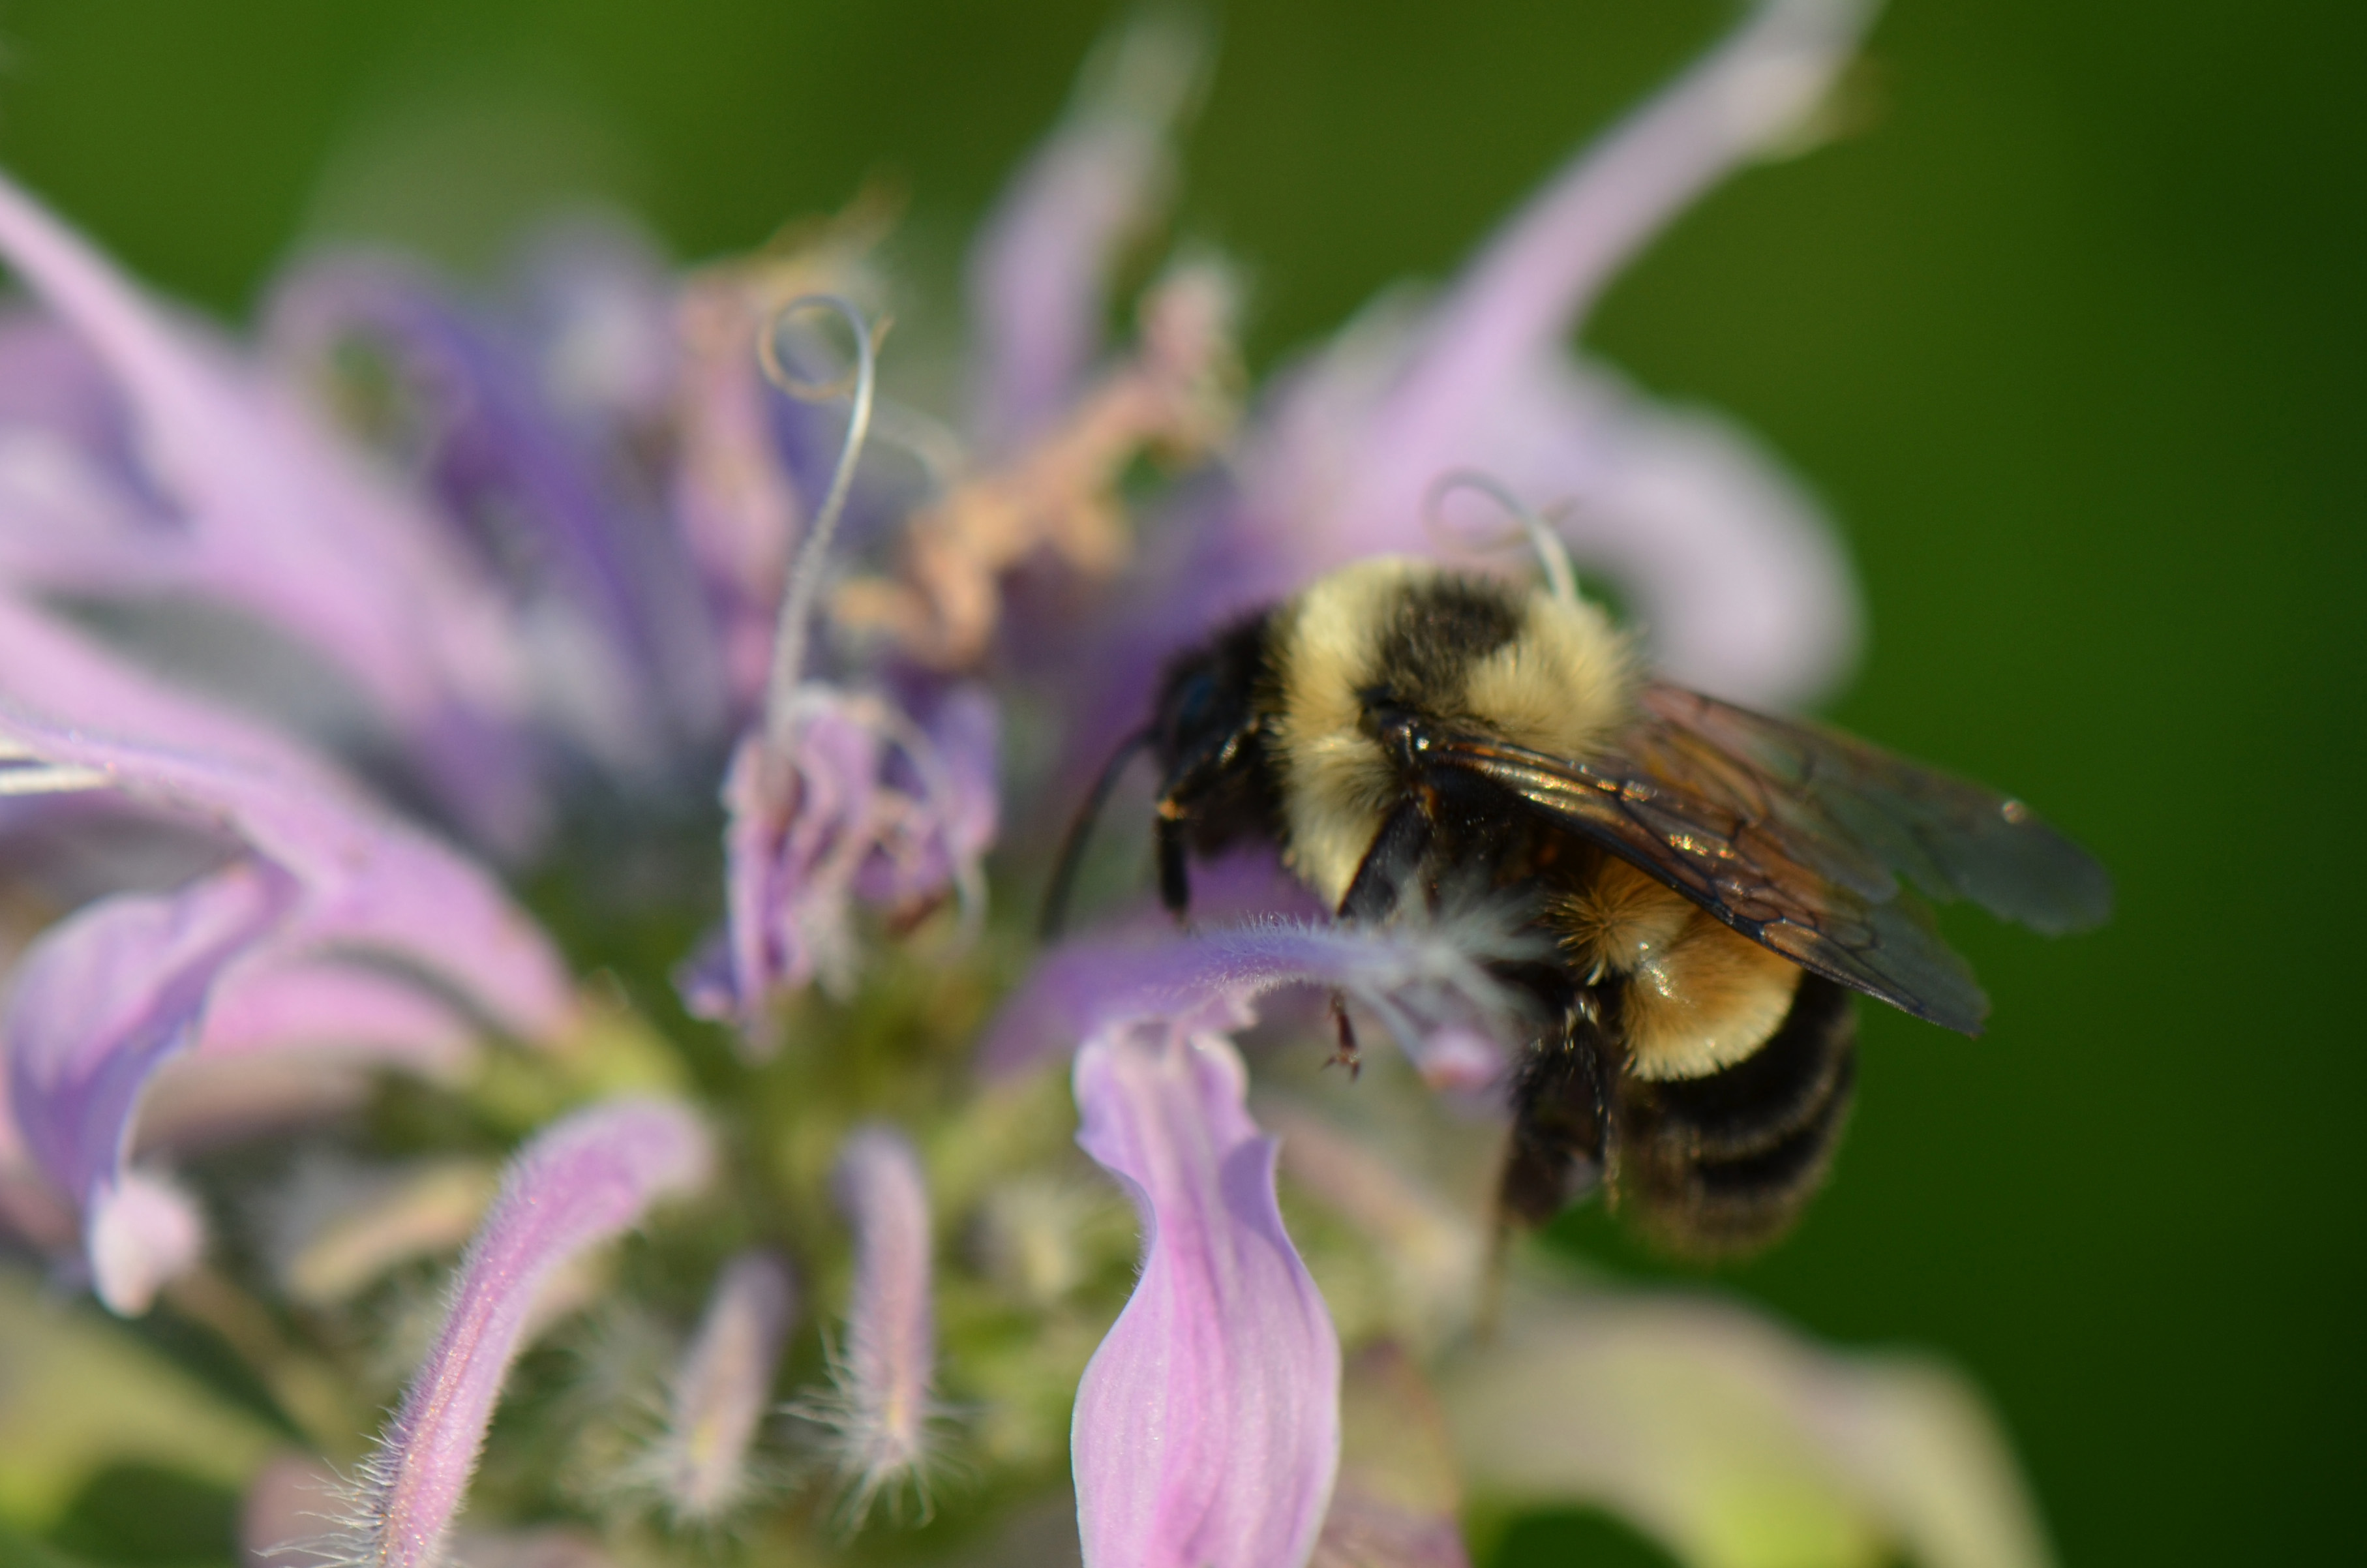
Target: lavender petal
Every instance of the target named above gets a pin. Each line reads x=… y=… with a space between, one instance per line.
x=1537 y=278
x=580 y=1183
x=141 y=1233
x=260 y=1009
x=102 y=1000
x=1038 y=276
x=1734 y=1443
x=369 y=880
x=863 y=803
x=278 y=517
x=1422 y=979
x=883 y=1408
x=1207 y=1424
x=724 y=1387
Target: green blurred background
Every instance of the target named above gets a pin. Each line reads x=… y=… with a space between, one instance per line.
x=2067 y=334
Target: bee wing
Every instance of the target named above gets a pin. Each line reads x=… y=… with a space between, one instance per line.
x=1819 y=789
x=1794 y=836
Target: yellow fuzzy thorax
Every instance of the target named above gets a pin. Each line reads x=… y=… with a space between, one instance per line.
x=1562 y=685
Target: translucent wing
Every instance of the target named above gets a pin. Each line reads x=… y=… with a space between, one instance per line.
x=1797 y=837
x=1951 y=838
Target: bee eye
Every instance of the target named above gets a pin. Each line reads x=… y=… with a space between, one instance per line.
x=1195 y=702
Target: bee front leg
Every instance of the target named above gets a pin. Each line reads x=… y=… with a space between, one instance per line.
x=1175 y=871
x=1397 y=855
x=1346 y=1052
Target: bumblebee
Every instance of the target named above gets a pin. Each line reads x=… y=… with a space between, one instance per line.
x=1708 y=885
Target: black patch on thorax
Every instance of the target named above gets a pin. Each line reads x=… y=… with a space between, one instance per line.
x=1437 y=629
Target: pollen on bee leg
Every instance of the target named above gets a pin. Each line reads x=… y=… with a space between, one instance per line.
x=1618 y=920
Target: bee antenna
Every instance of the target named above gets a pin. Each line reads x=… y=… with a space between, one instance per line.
x=1551 y=553
x=791 y=631
x=1081 y=827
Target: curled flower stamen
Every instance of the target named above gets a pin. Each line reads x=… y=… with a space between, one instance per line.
x=1553 y=556
x=805 y=577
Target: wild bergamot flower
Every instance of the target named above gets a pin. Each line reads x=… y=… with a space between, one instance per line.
x=366 y=696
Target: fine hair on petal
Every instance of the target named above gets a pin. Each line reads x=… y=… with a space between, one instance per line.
x=882 y=1410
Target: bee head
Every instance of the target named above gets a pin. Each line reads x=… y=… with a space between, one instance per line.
x=1207 y=705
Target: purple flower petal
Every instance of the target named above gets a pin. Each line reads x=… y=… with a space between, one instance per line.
x=1543 y=271
x=106 y=997
x=581 y=1182
x=1207 y=1424
x=1038 y=276
x=366 y=1014
x=1734 y=1443
x=792 y=848
x=619 y=626
x=882 y=1406
x=1743 y=586
x=1737 y=574
x=723 y=1388
x=865 y=805
x=276 y=517
x=369 y=880
x=142 y=1234
x=100 y=1002
x=1421 y=980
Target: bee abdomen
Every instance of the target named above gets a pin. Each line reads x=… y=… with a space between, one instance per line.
x=1723 y=1164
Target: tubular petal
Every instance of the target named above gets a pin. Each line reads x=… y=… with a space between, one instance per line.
x=1420 y=978
x=143 y=1233
x=368 y=1014
x=281 y=520
x=1733 y=1443
x=883 y=1404
x=581 y=1182
x=369 y=880
x=1038 y=273
x=1543 y=270
x=865 y=805
x=724 y=1386
x=100 y=1003
x=1207 y=1424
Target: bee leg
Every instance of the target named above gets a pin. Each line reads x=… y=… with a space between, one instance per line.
x=1175 y=874
x=1397 y=854
x=1344 y=1051
x=1561 y=1149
